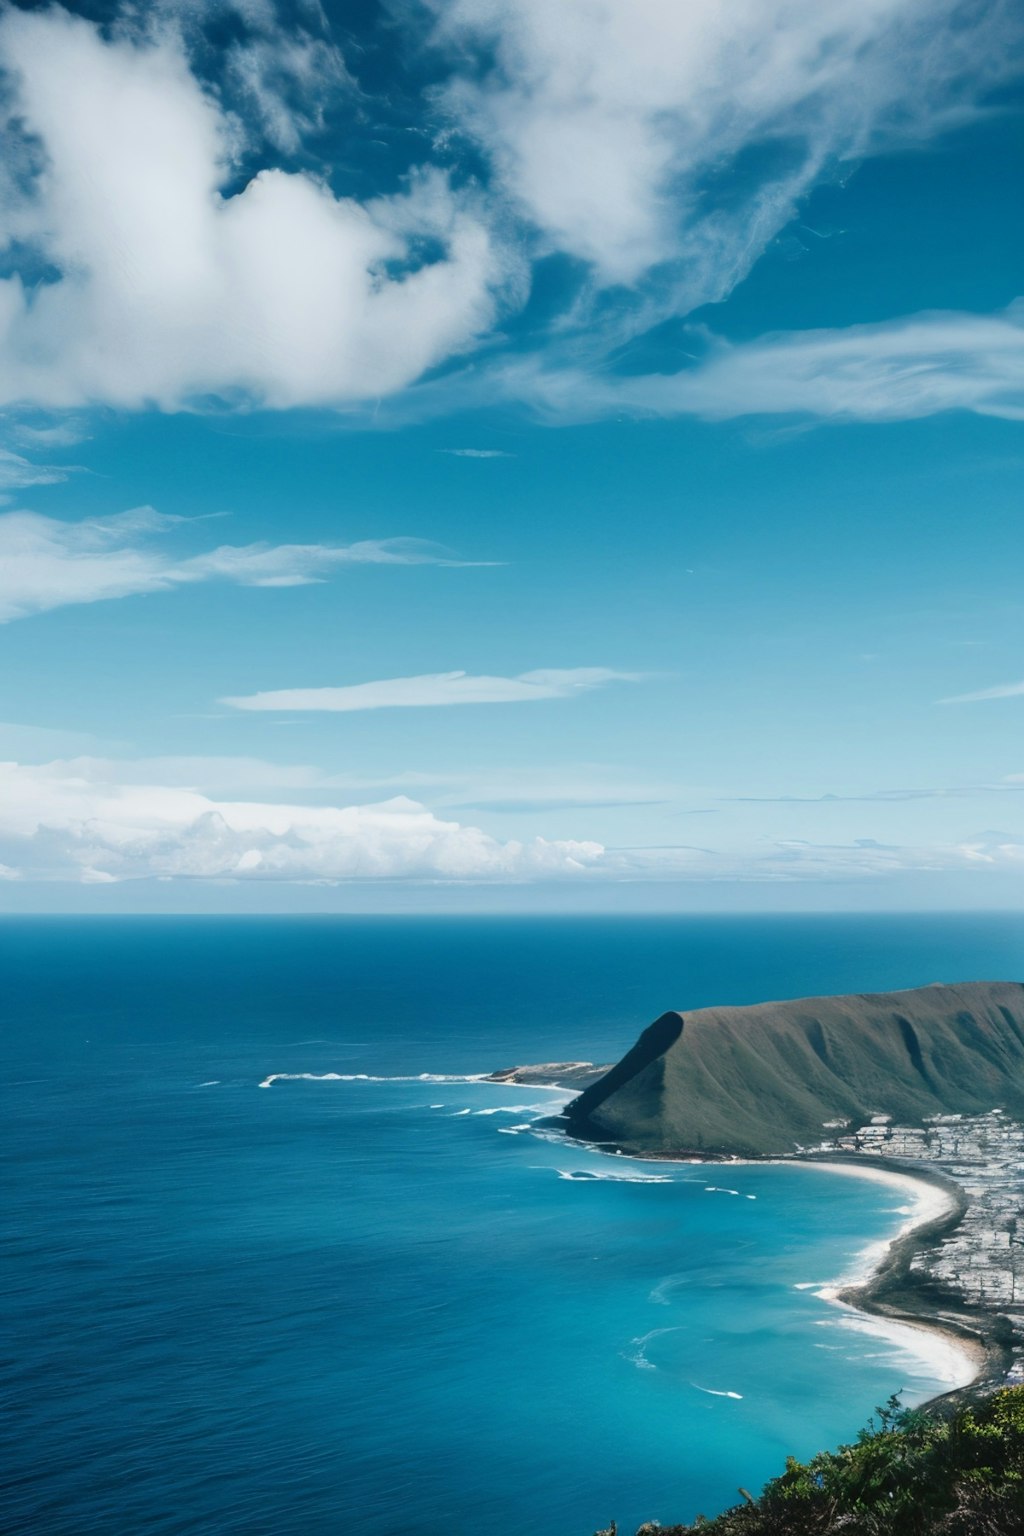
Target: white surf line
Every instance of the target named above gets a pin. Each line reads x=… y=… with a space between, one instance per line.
x=419 y=1077
x=639 y=1355
x=946 y=1357
x=368 y=1077
x=585 y=1176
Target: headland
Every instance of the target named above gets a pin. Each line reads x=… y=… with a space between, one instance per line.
x=924 y=1085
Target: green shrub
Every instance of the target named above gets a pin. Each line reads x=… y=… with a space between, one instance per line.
x=908 y=1474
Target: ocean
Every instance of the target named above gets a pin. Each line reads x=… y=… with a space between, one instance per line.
x=377 y=1296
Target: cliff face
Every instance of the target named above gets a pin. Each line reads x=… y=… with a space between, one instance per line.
x=767 y=1078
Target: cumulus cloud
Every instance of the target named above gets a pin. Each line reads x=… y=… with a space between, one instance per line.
x=437 y=688
x=46 y=562
x=58 y=822
x=171 y=289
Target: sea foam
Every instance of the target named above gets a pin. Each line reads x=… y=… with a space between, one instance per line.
x=368 y=1077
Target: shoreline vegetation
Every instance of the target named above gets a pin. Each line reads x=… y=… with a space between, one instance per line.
x=908 y=1473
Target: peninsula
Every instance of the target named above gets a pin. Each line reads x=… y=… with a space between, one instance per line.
x=928 y=1082
x=768 y=1080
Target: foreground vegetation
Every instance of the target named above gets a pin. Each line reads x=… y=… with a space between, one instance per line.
x=908 y=1474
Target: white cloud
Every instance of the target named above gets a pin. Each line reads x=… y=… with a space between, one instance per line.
x=661 y=144
x=58 y=823
x=96 y=821
x=614 y=123
x=802 y=860
x=1000 y=691
x=39 y=743
x=994 y=848
x=518 y=790
x=277 y=77
x=18 y=473
x=47 y=563
x=48 y=433
x=438 y=688
x=916 y=366
x=171 y=291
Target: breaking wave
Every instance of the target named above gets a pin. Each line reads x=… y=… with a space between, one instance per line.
x=367 y=1077
x=585 y=1176
x=638 y=1356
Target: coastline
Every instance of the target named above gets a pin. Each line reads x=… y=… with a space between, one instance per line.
x=896 y=1295
x=893 y=1291
x=878 y=1296
x=890 y=1298
x=968 y=1344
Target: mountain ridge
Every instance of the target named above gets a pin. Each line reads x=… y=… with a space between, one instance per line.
x=767 y=1078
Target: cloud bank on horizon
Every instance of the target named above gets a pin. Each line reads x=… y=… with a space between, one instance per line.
x=66 y=821
x=99 y=822
x=182 y=233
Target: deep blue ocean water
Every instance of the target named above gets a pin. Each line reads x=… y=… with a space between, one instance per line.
x=340 y=1305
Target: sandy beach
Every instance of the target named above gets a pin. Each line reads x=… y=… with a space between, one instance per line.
x=955 y=1352
x=955 y=1358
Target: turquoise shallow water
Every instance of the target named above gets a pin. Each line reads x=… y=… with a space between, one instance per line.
x=349 y=1302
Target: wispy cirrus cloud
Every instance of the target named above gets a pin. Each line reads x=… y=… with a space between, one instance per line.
x=615 y=125
x=17 y=473
x=1000 y=691
x=47 y=562
x=438 y=689
x=1011 y=784
x=919 y=365
x=659 y=148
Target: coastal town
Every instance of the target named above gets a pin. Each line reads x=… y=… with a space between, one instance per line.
x=978 y=1263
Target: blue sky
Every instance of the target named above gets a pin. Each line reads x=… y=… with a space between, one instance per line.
x=460 y=456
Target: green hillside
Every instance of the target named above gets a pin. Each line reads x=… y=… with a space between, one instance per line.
x=768 y=1078
x=909 y=1474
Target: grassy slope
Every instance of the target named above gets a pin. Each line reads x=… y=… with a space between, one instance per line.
x=763 y=1079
